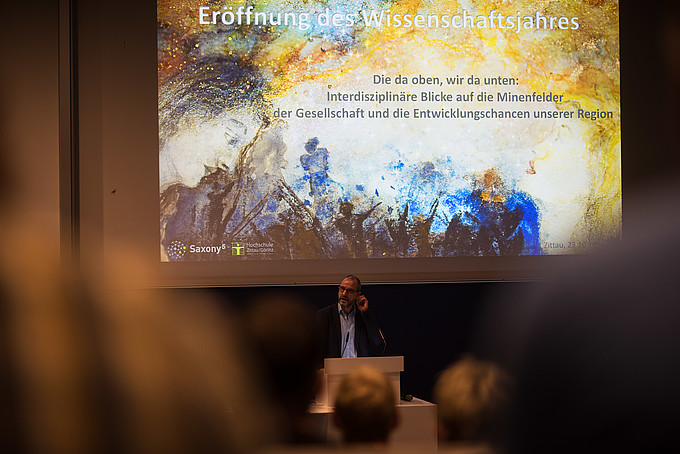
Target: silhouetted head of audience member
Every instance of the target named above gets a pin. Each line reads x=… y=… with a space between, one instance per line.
x=365 y=407
x=594 y=349
x=89 y=368
x=283 y=338
x=597 y=370
x=472 y=398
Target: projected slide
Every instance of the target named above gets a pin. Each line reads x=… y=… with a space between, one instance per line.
x=296 y=130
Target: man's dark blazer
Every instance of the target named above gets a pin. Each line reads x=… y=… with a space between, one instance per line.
x=368 y=339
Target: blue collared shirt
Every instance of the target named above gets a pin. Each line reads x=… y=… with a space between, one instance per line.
x=347 y=348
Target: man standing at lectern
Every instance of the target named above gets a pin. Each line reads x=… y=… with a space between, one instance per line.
x=348 y=329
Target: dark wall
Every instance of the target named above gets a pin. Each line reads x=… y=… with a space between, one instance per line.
x=650 y=93
x=431 y=325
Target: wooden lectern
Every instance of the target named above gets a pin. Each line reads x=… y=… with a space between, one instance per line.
x=336 y=368
x=418 y=429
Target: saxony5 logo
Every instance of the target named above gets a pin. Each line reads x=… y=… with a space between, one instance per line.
x=176 y=250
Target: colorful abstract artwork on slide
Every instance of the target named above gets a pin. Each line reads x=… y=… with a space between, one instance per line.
x=387 y=129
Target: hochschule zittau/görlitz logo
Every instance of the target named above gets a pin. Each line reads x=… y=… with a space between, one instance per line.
x=238 y=248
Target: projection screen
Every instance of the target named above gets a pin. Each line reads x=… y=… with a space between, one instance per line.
x=404 y=140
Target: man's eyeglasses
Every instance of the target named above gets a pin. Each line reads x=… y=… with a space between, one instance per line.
x=345 y=289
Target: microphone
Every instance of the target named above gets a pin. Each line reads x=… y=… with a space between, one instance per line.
x=384 y=344
x=345 y=347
